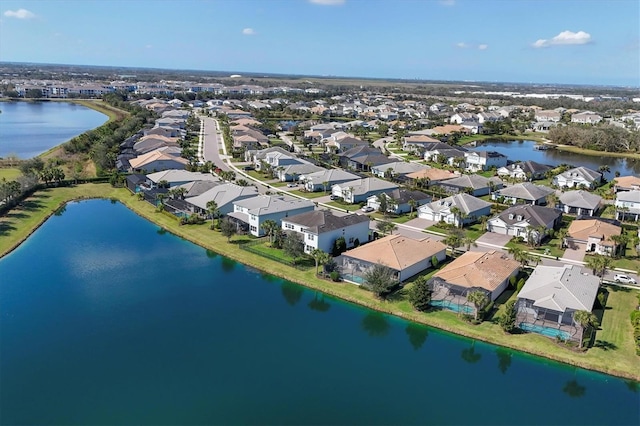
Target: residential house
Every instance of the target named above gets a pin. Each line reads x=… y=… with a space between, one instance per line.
x=446 y=154
x=399 y=200
x=345 y=144
x=257 y=156
x=457 y=209
x=160 y=159
x=292 y=172
x=526 y=221
x=418 y=143
x=475 y=185
x=198 y=187
x=462 y=117
x=224 y=195
x=484 y=117
x=594 y=235
x=523 y=193
x=405 y=256
x=586 y=118
x=548 y=115
x=363 y=158
x=488 y=272
x=628 y=205
x=152 y=142
x=321 y=228
x=251 y=213
x=484 y=160
x=397 y=170
x=430 y=175
x=578 y=177
x=524 y=170
x=324 y=179
x=177 y=177
x=551 y=296
x=359 y=190
x=580 y=202
x=626 y=183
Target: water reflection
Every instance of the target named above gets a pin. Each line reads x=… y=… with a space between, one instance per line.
x=574 y=389
x=318 y=303
x=61 y=210
x=211 y=254
x=375 y=324
x=504 y=359
x=417 y=335
x=291 y=292
x=161 y=231
x=470 y=355
x=227 y=264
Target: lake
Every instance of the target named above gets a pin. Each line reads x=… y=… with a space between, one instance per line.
x=524 y=150
x=28 y=129
x=107 y=319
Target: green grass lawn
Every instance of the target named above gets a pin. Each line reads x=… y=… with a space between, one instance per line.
x=349 y=207
x=550 y=247
x=615 y=354
x=9 y=173
x=310 y=195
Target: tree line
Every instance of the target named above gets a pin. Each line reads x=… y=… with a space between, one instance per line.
x=601 y=137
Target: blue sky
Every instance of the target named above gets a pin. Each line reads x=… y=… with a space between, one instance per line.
x=537 y=41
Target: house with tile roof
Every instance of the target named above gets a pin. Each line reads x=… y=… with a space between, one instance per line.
x=250 y=213
x=626 y=183
x=525 y=221
x=488 y=272
x=359 y=190
x=551 y=296
x=469 y=209
x=160 y=159
x=405 y=256
x=363 y=158
x=581 y=203
x=578 y=177
x=397 y=169
x=523 y=193
x=418 y=143
x=473 y=184
x=224 y=195
x=524 y=170
x=431 y=175
x=321 y=228
x=595 y=235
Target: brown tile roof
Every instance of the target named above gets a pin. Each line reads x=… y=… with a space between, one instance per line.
x=397 y=251
x=583 y=229
x=479 y=269
x=627 y=181
x=449 y=128
x=432 y=174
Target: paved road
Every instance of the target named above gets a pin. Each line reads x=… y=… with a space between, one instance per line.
x=212 y=143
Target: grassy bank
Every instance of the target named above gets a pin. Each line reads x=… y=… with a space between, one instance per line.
x=593 y=153
x=615 y=354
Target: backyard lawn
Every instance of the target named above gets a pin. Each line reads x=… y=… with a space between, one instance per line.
x=9 y=173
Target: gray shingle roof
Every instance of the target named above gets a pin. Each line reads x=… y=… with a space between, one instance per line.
x=582 y=199
x=465 y=202
x=471 y=181
x=265 y=204
x=319 y=221
x=534 y=215
x=526 y=191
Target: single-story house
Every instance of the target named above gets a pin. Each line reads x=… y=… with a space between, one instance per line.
x=475 y=185
x=551 y=296
x=321 y=228
x=469 y=209
x=525 y=170
x=399 y=200
x=359 y=190
x=577 y=177
x=251 y=213
x=580 y=202
x=175 y=177
x=628 y=205
x=488 y=272
x=626 y=183
x=324 y=179
x=523 y=193
x=224 y=195
x=405 y=256
x=363 y=158
x=292 y=172
x=397 y=169
x=431 y=175
x=594 y=234
x=160 y=159
x=522 y=221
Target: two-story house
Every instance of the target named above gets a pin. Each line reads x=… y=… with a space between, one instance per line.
x=458 y=209
x=628 y=205
x=578 y=177
x=359 y=190
x=251 y=213
x=484 y=160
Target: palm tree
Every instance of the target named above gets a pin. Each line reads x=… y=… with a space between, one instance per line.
x=454 y=239
x=519 y=255
x=483 y=222
x=467 y=241
x=479 y=299
x=620 y=244
x=213 y=210
x=325 y=184
x=320 y=257
x=383 y=206
x=585 y=319
x=412 y=205
x=269 y=227
x=598 y=264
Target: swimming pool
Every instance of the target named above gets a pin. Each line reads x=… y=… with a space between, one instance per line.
x=545 y=331
x=447 y=304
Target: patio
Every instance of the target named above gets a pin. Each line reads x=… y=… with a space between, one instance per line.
x=572 y=331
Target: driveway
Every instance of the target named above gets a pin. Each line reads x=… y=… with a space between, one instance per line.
x=492 y=239
x=420 y=223
x=575 y=252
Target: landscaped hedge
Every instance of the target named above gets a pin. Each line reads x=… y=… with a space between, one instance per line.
x=635 y=321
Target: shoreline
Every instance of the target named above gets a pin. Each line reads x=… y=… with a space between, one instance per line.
x=526 y=343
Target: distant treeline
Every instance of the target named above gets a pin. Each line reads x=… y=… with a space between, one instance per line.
x=603 y=137
x=103 y=144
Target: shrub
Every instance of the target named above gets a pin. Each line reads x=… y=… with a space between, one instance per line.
x=520 y=284
x=335 y=276
x=512 y=281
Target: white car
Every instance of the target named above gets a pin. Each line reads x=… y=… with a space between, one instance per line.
x=621 y=278
x=292 y=185
x=367 y=209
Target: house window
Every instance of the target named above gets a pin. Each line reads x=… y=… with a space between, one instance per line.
x=254 y=228
x=351 y=240
x=311 y=237
x=288 y=226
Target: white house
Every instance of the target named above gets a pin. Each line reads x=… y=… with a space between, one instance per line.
x=251 y=213
x=399 y=200
x=360 y=189
x=586 y=118
x=577 y=177
x=580 y=202
x=469 y=209
x=523 y=193
x=628 y=205
x=324 y=179
x=484 y=160
x=321 y=228
x=524 y=221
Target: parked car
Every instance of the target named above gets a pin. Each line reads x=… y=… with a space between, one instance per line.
x=622 y=278
x=367 y=209
x=333 y=197
x=292 y=185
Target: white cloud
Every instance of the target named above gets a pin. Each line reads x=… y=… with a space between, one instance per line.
x=248 y=31
x=328 y=2
x=462 y=45
x=565 y=37
x=448 y=2
x=483 y=46
x=148 y=46
x=19 y=14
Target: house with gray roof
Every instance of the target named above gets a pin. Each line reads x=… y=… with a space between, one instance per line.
x=580 y=203
x=445 y=154
x=628 y=205
x=578 y=177
x=484 y=160
x=359 y=190
x=399 y=200
x=526 y=221
x=475 y=185
x=397 y=169
x=256 y=155
x=324 y=179
x=523 y=193
x=363 y=158
x=176 y=177
x=224 y=195
x=321 y=228
x=550 y=298
x=292 y=172
x=469 y=209
x=198 y=187
x=524 y=170
x=250 y=213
